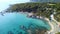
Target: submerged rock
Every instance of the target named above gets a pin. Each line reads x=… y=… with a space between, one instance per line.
x=14 y=29
x=20 y=32
x=23 y=27
x=10 y=32
x=29 y=31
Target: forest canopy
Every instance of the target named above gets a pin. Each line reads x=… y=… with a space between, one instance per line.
x=37 y=8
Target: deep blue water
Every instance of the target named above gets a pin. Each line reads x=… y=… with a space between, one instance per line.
x=13 y=21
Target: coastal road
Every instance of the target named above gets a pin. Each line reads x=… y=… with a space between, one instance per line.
x=55 y=24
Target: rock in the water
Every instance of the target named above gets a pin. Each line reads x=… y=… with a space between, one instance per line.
x=10 y=32
x=20 y=32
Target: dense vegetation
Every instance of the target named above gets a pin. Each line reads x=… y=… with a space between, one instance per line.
x=44 y=9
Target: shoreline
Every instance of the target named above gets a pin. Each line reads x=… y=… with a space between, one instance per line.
x=52 y=30
x=52 y=26
x=40 y=17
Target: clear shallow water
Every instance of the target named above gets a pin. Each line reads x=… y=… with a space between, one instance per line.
x=12 y=22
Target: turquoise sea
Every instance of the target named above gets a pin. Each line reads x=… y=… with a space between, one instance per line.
x=11 y=22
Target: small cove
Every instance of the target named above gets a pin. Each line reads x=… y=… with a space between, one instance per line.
x=12 y=21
